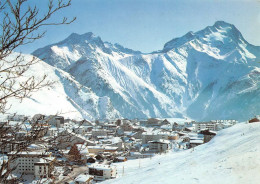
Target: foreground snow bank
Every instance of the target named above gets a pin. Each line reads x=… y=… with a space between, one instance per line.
x=233 y=156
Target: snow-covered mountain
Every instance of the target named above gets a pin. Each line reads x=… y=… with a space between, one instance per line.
x=232 y=157
x=209 y=74
x=64 y=97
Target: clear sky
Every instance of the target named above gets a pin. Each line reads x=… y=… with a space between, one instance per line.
x=146 y=25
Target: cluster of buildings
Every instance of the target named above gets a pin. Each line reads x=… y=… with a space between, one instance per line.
x=65 y=150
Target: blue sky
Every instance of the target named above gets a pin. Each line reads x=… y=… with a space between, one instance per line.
x=146 y=25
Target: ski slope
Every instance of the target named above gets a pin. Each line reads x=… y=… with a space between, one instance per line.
x=232 y=157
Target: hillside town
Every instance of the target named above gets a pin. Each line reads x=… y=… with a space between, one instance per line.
x=58 y=150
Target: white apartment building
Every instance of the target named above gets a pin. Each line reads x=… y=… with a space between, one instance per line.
x=214 y=125
x=36 y=163
x=154 y=136
x=205 y=125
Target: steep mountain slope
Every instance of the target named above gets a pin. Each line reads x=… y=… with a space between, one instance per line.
x=230 y=157
x=65 y=97
x=210 y=74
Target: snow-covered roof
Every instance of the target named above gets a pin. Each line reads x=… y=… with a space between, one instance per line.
x=135 y=153
x=196 y=141
x=96 y=147
x=82 y=178
x=45 y=160
x=110 y=148
x=115 y=140
x=30 y=153
x=162 y=141
x=101 y=167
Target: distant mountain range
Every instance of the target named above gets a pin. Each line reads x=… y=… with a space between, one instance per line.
x=210 y=74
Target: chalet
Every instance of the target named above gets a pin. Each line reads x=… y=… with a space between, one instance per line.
x=85 y=123
x=96 y=149
x=254 y=120
x=102 y=172
x=137 y=132
x=195 y=142
x=153 y=122
x=83 y=179
x=68 y=138
x=99 y=157
x=177 y=127
x=159 y=146
x=186 y=129
x=91 y=160
x=134 y=155
x=110 y=149
x=57 y=121
x=208 y=135
x=116 y=142
x=173 y=136
x=120 y=159
x=109 y=127
x=182 y=134
x=165 y=122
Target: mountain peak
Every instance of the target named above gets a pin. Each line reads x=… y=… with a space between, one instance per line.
x=222 y=23
x=176 y=42
x=218 y=31
x=85 y=36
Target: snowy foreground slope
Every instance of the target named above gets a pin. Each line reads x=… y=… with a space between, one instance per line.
x=210 y=74
x=232 y=157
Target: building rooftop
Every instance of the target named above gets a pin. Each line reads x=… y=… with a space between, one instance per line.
x=82 y=178
x=101 y=167
x=162 y=141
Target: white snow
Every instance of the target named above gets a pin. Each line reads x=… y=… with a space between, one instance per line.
x=232 y=157
x=64 y=52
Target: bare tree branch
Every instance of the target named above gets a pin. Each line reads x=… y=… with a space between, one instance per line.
x=20 y=25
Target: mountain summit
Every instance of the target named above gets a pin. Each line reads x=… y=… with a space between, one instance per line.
x=210 y=74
